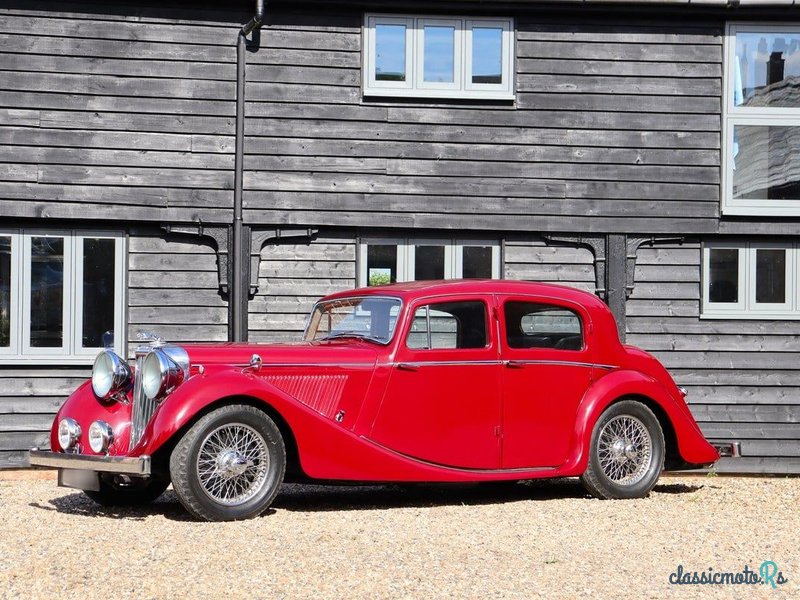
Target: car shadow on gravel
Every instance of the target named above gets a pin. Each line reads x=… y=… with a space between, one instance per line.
x=319 y=498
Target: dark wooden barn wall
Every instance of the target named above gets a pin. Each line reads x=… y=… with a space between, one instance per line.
x=110 y=116
x=742 y=376
x=616 y=125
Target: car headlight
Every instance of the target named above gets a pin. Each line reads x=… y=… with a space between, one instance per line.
x=110 y=375
x=162 y=372
x=69 y=432
x=100 y=436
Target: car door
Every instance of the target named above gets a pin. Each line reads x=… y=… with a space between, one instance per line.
x=547 y=369
x=442 y=402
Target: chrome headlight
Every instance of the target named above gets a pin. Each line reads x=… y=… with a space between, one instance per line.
x=110 y=375
x=163 y=370
x=69 y=432
x=100 y=436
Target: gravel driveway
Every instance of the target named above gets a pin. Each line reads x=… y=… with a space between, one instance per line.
x=542 y=540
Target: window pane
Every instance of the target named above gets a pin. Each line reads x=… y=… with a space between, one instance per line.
x=439 y=54
x=487 y=55
x=771 y=276
x=766 y=162
x=5 y=291
x=531 y=325
x=453 y=325
x=723 y=275
x=47 y=292
x=477 y=262
x=381 y=264
x=766 y=69
x=429 y=262
x=98 y=290
x=390 y=52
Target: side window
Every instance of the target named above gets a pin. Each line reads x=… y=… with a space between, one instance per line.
x=533 y=325
x=450 y=325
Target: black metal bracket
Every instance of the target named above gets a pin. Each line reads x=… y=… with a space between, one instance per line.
x=633 y=245
x=219 y=236
x=259 y=239
x=596 y=244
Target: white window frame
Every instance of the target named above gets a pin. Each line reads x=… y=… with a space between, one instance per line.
x=742 y=115
x=406 y=253
x=415 y=86
x=747 y=307
x=71 y=350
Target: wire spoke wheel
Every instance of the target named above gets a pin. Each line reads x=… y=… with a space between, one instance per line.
x=232 y=464
x=625 y=450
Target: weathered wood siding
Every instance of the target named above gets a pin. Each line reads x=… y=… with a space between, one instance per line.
x=292 y=277
x=742 y=376
x=534 y=261
x=116 y=112
x=173 y=290
x=616 y=126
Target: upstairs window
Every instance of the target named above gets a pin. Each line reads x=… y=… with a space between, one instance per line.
x=60 y=292
x=762 y=121
x=751 y=280
x=438 y=57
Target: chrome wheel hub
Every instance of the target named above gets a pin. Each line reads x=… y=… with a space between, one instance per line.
x=232 y=464
x=625 y=450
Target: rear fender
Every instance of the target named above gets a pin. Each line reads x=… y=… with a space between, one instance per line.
x=692 y=446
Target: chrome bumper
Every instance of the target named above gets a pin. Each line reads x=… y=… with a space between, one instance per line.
x=728 y=449
x=139 y=465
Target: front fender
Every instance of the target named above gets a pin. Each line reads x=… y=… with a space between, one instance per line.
x=692 y=446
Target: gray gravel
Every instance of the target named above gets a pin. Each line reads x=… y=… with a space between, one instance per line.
x=542 y=540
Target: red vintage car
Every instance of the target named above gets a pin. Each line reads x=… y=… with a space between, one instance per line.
x=457 y=381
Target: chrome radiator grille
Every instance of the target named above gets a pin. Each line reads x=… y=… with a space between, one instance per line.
x=143 y=408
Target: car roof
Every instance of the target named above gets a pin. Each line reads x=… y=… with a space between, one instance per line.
x=409 y=290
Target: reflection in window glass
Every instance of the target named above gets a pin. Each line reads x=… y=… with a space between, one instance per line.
x=477 y=262
x=47 y=292
x=723 y=275
x=766 y=162
x=381 y=264
x=531 y=325
x=5 y=291
x=767 y=69
x=390 y=52
x=98 y=290
x=451 y=325
x=429 y=262
x=439 y=54
x=771 y=276
x=487 y=55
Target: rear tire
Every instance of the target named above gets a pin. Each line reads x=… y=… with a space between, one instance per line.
x=229 y=465
x=626 y=455
x=115 y=491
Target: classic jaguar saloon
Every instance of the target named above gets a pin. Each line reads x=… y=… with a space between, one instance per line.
x=460 y=381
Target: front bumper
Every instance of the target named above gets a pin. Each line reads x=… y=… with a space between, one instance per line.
x=124 y=465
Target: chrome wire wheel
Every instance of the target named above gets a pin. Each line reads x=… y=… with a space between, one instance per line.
x=232 y=464
x=625 y=450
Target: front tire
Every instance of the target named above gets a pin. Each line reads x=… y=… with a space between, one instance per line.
x=626 y=455
x=229 y=465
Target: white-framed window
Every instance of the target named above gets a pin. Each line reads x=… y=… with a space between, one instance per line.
x=761 y=120
x=438 y=57
x=387 y=260
x=60 y=292
x=751 y=280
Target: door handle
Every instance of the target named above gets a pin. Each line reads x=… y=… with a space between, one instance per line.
x=515 y=364
x=407 y=367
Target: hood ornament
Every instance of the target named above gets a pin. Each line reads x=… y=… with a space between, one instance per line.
x=151 y=338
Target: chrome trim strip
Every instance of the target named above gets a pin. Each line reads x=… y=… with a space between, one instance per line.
x=139 y=465
x=266 y=365
x=445 y=363
x=563 y=362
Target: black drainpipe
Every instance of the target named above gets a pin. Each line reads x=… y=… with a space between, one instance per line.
x=238 y=291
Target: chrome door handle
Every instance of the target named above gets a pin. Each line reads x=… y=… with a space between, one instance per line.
x=407 y=367
x=515 y=364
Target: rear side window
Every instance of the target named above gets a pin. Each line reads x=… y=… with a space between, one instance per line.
x=535 y=325
x=450 y=325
